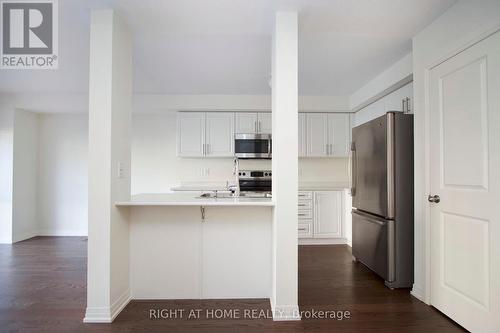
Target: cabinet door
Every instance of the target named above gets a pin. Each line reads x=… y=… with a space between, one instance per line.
x=317 y=134
x=219 y=134
x=302 y=135
x=394 y=101
x=265 y=122
x=190 y=134
x=338 y=134
x=246 y=122
x=328 y=216
x=236 y=253
x=408 y=92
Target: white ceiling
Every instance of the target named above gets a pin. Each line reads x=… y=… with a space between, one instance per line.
x=223 y=46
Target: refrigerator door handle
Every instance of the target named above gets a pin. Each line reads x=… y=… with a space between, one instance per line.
x=352 y=169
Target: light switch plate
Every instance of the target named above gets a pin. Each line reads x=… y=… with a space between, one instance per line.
x=120 y=170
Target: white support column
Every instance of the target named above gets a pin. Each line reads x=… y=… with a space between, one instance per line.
x=285 y=166
x=110 y=105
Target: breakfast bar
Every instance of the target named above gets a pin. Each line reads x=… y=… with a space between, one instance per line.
x=184 y=246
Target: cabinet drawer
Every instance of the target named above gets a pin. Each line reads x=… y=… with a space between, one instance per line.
x=305 y=195
x=305 y=205
x=304 y=214
x=304 y=230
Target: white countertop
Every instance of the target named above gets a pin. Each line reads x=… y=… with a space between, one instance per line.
x=200 y=187
x=322 y=186
x=220 y=186
x=187 y=199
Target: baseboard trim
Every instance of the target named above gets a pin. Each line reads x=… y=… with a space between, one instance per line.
x=418 y=293
x=49 y=232
x=322 y=241
x=107 y=314
x=285 y=312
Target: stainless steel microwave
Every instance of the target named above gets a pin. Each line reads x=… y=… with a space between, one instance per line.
x=253 y=146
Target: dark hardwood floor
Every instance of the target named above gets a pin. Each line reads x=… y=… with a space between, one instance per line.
x=43 y=289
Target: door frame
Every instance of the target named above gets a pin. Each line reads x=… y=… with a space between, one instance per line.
x=421 y=289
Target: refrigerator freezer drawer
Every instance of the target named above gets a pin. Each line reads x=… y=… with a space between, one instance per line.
x=372 y=243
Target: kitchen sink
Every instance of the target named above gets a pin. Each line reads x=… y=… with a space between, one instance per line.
x=226 y=195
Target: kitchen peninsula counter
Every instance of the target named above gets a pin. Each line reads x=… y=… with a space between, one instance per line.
x=190 y=199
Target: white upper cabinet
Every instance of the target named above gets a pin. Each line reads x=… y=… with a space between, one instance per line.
x=317 y=134
x=253 y=122
x=302 y=135
x=205 y=134
x=211 y=134
x=190 y=134
x=399 y=100
x=265 y=122
x=339 y=134
x=219 y=134
x=328 y=135
x=328 y=214
x=246 y=122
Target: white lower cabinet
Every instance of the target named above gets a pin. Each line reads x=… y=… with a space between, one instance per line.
x=321 y=215
x=328 y=214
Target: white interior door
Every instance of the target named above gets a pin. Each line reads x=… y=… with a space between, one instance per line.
x=465 y=173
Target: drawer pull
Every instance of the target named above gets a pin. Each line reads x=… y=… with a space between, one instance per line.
x=302 y=229
x=302 y=214
x=302 y=205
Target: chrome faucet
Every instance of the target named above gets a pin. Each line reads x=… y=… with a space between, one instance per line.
x=236 y=169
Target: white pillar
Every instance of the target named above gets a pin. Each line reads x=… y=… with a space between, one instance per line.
x=110 y=105
x=285 y=166
x=6 y=168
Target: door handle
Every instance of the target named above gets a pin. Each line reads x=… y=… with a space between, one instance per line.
x=353 y=166
x=434 y=198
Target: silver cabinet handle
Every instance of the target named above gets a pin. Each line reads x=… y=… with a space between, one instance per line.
x=403 y=109
x=434 y=198
x=302 y=229
x=255 y=125
x=203 y=149
x=208 y=148
x=408 y=108
x=302 y=205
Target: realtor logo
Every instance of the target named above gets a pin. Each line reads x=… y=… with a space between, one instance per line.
x=29 y=34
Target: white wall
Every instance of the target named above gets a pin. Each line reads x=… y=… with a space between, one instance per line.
x=6 y=167
x=62 y=175
x=464 y=23
x=399 y=73
x=25 y=166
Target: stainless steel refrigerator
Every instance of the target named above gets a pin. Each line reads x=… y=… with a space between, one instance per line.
x=382 y=194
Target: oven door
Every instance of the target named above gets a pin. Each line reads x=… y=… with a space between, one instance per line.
x=252 y=145
x=255 y=185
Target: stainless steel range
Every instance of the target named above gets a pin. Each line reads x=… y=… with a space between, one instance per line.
x=255 y=182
